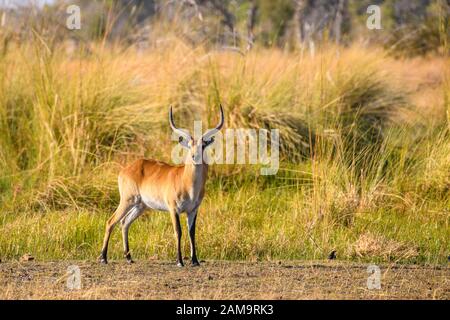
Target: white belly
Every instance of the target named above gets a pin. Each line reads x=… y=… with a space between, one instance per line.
x=155 y=204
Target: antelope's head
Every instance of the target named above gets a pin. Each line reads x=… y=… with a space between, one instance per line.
x=197 y=147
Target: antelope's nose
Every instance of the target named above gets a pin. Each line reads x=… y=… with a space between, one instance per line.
x=197 y=158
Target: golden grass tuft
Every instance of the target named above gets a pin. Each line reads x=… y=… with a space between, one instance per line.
x=374 y=245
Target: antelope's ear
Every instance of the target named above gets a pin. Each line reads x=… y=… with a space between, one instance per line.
x=183 y=142
x=208 y=142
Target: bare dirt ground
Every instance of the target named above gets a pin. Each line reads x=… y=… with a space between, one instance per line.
x=221 y=280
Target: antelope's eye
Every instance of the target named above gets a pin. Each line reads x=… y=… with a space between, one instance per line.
x=208 y=142
x=180 y=139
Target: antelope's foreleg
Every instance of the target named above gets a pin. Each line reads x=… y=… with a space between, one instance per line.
x=192 y=218
x=177 y=230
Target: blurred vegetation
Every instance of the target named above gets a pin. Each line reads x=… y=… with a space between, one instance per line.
x=409 y=27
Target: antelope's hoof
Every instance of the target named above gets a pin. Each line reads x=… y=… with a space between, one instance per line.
x=128 y=257
x=103 y=261
x=180 y=264
x=195 y=264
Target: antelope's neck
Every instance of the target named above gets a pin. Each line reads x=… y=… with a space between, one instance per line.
x=195 y=177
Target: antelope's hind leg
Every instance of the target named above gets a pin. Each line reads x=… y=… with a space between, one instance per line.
x=126 y=222
x=120 y=212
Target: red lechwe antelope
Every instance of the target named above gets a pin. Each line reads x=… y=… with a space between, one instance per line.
x=151 y=184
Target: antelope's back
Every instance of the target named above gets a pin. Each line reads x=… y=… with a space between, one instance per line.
x=153 y=178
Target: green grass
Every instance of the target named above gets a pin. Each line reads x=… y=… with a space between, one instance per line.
x=355 y=177
x=267 y=225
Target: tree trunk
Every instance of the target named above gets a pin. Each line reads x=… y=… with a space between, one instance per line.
x=342 y=7
x=298 y=19
x=251 y=19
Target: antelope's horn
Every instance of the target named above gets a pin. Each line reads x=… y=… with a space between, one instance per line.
x=208 y=135
x=180 y=132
